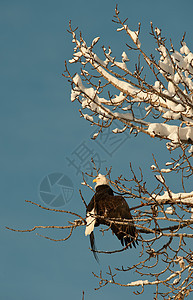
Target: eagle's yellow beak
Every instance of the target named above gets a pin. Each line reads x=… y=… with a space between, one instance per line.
x=95 y=180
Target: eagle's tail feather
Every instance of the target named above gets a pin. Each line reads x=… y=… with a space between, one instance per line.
x=93 y=246
x=126 y=235
x=128 y=241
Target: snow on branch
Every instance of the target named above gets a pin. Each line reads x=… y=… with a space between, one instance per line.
x=169 y=98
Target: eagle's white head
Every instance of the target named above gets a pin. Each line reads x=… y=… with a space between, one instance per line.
x=100 y=180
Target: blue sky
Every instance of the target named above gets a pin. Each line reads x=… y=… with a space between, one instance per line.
x=41 y=130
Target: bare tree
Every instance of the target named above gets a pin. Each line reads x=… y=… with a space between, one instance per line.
x=163 y=218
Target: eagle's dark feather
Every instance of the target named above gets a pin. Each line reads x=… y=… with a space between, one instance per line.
x=108 y=206
x=93 y=247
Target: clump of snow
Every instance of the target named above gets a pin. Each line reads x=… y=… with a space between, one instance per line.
x=126 y=116
x=120 y=29
x=87 y=117
x=165 y=62
x=74 y=94
x=185 y=198
x=73 y=60
x=169 y=163
x=184 y=49
x=90 y=99
x=169 y=210
x=166 y=170
x=172 y=132
x=133 y=35
x=77 y=54
x=95 y=135
x=157 y=31
x=95 y=40
x=124 y=57
x=171 y=88
x=127 y=107
x=117 y=130
x=190 y=149
x=176 y=281
x=159 y=178
x=169 y=170
x=181 y=262
x=191 y=213
x=177 y=78
x=153 y=167
x=138 y=282
x=170 y=115
x=101 y=62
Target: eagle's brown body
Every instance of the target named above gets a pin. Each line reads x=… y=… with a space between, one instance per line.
x=106 y=207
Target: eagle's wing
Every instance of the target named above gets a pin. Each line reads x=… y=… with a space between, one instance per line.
x=116 y=207
x=90 y=224
x=90 y=221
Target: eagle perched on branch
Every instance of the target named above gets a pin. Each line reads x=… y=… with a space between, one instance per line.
x=103 y=208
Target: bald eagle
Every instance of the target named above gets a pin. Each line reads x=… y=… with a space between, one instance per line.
x=105 y=204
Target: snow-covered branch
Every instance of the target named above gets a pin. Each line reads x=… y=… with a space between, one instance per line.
x=169 y=97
